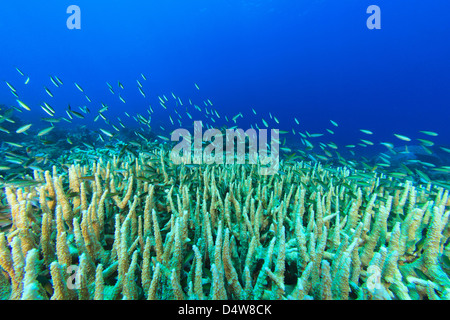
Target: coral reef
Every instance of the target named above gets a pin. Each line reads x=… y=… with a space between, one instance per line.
x=144 y=228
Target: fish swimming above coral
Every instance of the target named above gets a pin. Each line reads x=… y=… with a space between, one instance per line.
x=318 y=167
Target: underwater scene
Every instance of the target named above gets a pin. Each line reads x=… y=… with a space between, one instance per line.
x=224 y=150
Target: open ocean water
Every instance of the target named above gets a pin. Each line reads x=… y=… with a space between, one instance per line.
x=313 y=60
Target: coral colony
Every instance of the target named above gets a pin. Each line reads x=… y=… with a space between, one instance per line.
x=138 y=226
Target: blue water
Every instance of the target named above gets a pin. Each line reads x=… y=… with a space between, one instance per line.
x=314 y=60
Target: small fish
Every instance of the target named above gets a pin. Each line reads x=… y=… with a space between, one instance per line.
x=24 y=128
x=430 y=133
x=366 y=131
x=427 y=164
x=27 y=80
x=370 y=143
x=423 y=176
x=426 y=143
x=23 y=105
x=363 y=184
x=19 y=71
x=15 y=161
x=332 y=145
x=48 y=91
x=10 y=86
x=79 y=88
x=402 y=137
x=387 y=145
x=24 y=183
x=13 y=144
x=196 y=85
x=4 y=130
x=398 y=174
x=334 y=123
x=49 y=110
x=77 y=114
x=54 y=82
x=45 y=131
x=107 y=133
x=142 y=92
x=59 y=80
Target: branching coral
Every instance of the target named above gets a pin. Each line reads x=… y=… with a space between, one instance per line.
x=143 y=228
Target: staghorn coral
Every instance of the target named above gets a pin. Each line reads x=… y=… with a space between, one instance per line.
x=143 y=228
